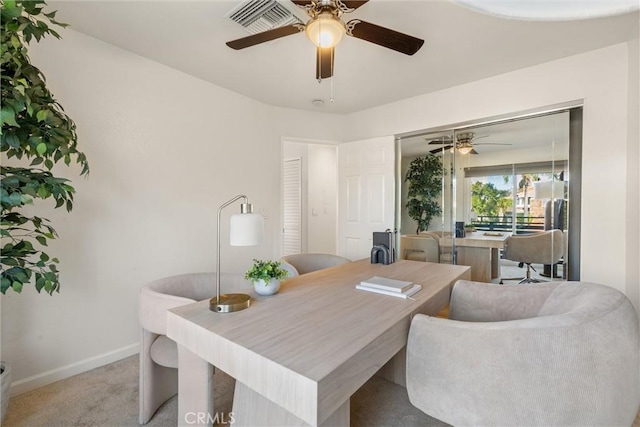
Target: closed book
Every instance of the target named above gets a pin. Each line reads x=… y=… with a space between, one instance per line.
x=406 y=294
x=391 y=285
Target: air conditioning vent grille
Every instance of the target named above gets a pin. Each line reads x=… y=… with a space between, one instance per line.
x=262 y=15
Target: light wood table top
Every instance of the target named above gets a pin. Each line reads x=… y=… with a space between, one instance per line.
x=297 y=347
x=482 y=239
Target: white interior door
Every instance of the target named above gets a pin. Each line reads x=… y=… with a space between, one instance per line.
x=366 y=197
x=292 y=209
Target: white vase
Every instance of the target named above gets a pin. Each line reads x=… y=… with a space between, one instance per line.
x=267 y=288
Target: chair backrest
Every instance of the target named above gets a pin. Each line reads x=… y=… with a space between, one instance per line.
x=164 y=294
x=541 y=248
x=307 y=263
x=573 y=351
x=419 y=248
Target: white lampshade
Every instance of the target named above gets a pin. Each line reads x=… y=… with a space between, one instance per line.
x=549 y=189
x=246 y=229
x=552 y=10
x=325 y=30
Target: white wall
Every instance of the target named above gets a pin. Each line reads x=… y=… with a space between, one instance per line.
x=319 y=194
x=633 y=173
x=601 y=79
x=165 y=149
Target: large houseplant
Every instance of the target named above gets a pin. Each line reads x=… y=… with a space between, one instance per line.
x=38 y=134
x=35 y=128
x=424 y=176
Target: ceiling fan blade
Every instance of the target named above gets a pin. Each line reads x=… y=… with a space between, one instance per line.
x=353 y=4
x=324 y=62
x=349 y=5
x=473 y=151
x=265 y=36
x=439 y=141
x=491 y=143
x=440 y=150
x=385 y=37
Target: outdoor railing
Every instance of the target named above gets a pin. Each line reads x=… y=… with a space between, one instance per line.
x=524 y=224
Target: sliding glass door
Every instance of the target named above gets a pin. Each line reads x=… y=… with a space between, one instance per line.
x=510 y=177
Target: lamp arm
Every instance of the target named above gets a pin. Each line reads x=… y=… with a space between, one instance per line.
x=224 y=205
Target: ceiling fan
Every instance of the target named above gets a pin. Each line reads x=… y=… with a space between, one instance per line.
x=464 y=143
x=325 y=29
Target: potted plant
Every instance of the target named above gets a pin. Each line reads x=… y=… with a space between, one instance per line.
x=38 y=134
x=424 y=176
x=265 y=276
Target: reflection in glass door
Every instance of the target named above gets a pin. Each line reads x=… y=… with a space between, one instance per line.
x=501 y=179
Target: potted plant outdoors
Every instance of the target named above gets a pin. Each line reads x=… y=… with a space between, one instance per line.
x=265 y=276
x=35 y=128
x=424 y=176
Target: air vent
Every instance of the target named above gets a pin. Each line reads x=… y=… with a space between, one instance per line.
x=262 y=15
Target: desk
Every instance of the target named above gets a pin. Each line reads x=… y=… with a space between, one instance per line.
x=481 y=253
x=299 y=355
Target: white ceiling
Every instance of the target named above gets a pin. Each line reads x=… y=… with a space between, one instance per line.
x=461 y=45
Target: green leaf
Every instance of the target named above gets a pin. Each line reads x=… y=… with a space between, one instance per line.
x=42 y=240
x=41 y=115
x=41 y=148
x=17 y=286
x=8 y=116
x=9 y=261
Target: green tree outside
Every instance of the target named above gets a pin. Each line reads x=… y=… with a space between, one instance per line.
x=487 y=200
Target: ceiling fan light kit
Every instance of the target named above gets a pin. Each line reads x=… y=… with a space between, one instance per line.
x=465 y=149
x=325 y=29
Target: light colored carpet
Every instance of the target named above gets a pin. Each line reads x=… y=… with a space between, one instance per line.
x=108 y=397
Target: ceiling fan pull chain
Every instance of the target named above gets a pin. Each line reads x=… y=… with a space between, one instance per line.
x=331 y=99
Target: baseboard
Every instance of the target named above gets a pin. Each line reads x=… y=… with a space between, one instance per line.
x=48 y=377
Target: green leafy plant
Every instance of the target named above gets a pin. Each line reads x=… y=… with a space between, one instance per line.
x=487 y=200
x=36 y=128
x=265 y=270
x=424 y=176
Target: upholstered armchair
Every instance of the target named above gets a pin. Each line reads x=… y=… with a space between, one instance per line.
x=419 y=248
x=550 y=354
x=158 y=353
x=445 y=243
x=309 y=262
x=538 y=248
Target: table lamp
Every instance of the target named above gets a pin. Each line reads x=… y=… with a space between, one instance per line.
x=245 y=229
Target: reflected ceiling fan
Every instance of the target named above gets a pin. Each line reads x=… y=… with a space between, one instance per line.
x=464 y=143
x=325 y=29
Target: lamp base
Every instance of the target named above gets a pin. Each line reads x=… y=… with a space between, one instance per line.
x=229 y=302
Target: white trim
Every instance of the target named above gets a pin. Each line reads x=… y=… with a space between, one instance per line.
x=48 y=377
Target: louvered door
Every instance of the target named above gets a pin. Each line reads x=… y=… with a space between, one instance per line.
x=292 y=209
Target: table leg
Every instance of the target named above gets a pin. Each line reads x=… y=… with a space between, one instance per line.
x=250 y=408
x=479 y=259
x=495 y=263
x=195 y=385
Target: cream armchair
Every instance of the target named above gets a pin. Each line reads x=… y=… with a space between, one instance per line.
x=158 y=353
x=552 y=354
x=419 y=248
x=309 y=262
